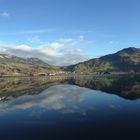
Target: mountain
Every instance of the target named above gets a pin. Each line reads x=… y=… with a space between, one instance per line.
x=125 y=60
x=5 y=58
x=11 y=65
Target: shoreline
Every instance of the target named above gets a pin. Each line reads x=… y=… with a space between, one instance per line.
x=71 y=75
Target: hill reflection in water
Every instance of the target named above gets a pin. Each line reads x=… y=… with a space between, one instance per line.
x=123 y=86
x=83 y=107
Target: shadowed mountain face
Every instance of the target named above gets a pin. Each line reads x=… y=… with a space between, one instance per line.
x=124 y=60
x=123 y=86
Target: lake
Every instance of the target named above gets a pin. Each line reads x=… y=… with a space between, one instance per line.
x=70 y=108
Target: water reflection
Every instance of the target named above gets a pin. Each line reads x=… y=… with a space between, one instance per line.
x=127 y=87
x=64 y=98
x=11 y=88
x=82 y=107
x=123 y=86
x=69 y=95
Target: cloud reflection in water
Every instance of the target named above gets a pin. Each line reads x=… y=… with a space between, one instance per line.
x=65 y=98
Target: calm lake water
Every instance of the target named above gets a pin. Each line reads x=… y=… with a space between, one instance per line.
x=70 y=108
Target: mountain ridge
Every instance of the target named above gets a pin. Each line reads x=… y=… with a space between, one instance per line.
x=11 y=65
x=125 y=60
x=16 y=59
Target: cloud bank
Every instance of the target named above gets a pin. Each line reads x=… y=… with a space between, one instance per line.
x=61 y=52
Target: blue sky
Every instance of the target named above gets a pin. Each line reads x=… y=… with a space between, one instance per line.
x=63 y=32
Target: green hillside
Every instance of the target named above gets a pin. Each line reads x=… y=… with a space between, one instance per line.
x=125 y=60
x=15 y=66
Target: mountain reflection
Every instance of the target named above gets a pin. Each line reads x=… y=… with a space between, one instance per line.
x=11 y=88
x=127 y=87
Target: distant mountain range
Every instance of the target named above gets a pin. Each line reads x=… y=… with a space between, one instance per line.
x=125 y=60
x=5 y=58
x=17 y=66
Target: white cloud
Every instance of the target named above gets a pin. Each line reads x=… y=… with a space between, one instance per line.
x=4 y=14
x=112 y=43
x=23 y=48
x=36 y=31
x=32 y=32
x=72 y=41
x=34 y=39
x=62 y=52
x=54 y=45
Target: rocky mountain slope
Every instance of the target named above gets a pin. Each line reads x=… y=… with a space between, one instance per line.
x=125 y=60
x=11 y=65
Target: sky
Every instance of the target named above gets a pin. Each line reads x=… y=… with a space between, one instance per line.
x=65 y=32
